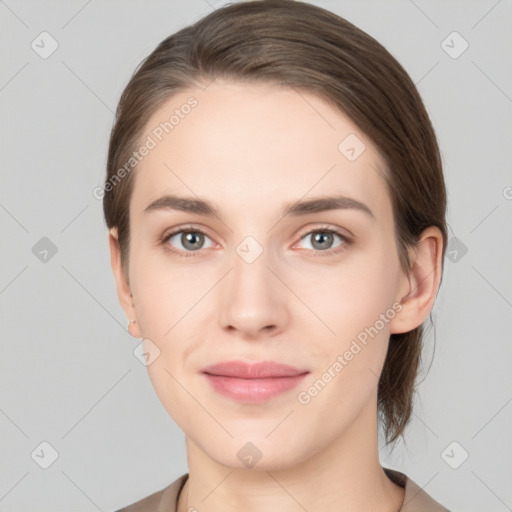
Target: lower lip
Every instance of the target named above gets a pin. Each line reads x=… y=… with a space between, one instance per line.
x=252 y=390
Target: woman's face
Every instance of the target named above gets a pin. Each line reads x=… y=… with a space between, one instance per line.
x=315 y=288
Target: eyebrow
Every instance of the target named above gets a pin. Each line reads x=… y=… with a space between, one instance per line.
x=202 y=207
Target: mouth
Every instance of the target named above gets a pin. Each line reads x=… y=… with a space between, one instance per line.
x=253 y=383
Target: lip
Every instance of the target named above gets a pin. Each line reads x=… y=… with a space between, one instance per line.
x=253 y=382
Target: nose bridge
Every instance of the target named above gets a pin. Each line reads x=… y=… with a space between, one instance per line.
x=251 y=297
x=250 y=265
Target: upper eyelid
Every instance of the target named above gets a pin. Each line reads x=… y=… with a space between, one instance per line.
x=325 y=227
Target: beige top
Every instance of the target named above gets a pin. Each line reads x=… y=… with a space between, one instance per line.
x=166 y=500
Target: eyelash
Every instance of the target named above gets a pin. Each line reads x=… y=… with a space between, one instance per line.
x=321 y=229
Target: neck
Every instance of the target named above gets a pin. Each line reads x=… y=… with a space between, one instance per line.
x=343 y=476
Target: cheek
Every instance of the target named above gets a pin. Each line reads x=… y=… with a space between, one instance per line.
x=165 y=292
x=353 y=296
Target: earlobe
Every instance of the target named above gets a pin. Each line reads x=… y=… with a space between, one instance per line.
x=122 y=284
x=424 y=279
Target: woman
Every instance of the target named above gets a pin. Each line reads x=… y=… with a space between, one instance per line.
x=276 y=207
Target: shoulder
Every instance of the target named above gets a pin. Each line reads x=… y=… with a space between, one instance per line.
x=415 y=499
x=164 y=500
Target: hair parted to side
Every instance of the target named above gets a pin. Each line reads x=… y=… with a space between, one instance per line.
x=295 y=44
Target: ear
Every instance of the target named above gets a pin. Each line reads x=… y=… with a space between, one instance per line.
x=123 y=286
x=421 y=284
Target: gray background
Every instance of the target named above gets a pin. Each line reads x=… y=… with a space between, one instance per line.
x=68 y=374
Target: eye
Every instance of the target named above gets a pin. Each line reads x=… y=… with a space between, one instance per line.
x=191 y=240
x=186 y=242
x=322 y=239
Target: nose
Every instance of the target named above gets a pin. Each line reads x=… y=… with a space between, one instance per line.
x=253 y=300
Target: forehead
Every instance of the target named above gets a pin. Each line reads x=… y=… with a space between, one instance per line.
x=249 y=145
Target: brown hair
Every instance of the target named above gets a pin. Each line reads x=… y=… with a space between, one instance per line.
x=299 y=45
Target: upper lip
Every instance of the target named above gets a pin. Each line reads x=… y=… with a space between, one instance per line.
x=259 y=370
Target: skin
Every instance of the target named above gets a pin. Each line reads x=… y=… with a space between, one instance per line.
x=250 y=149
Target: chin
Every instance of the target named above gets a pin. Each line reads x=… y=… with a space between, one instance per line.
x=257 y=455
